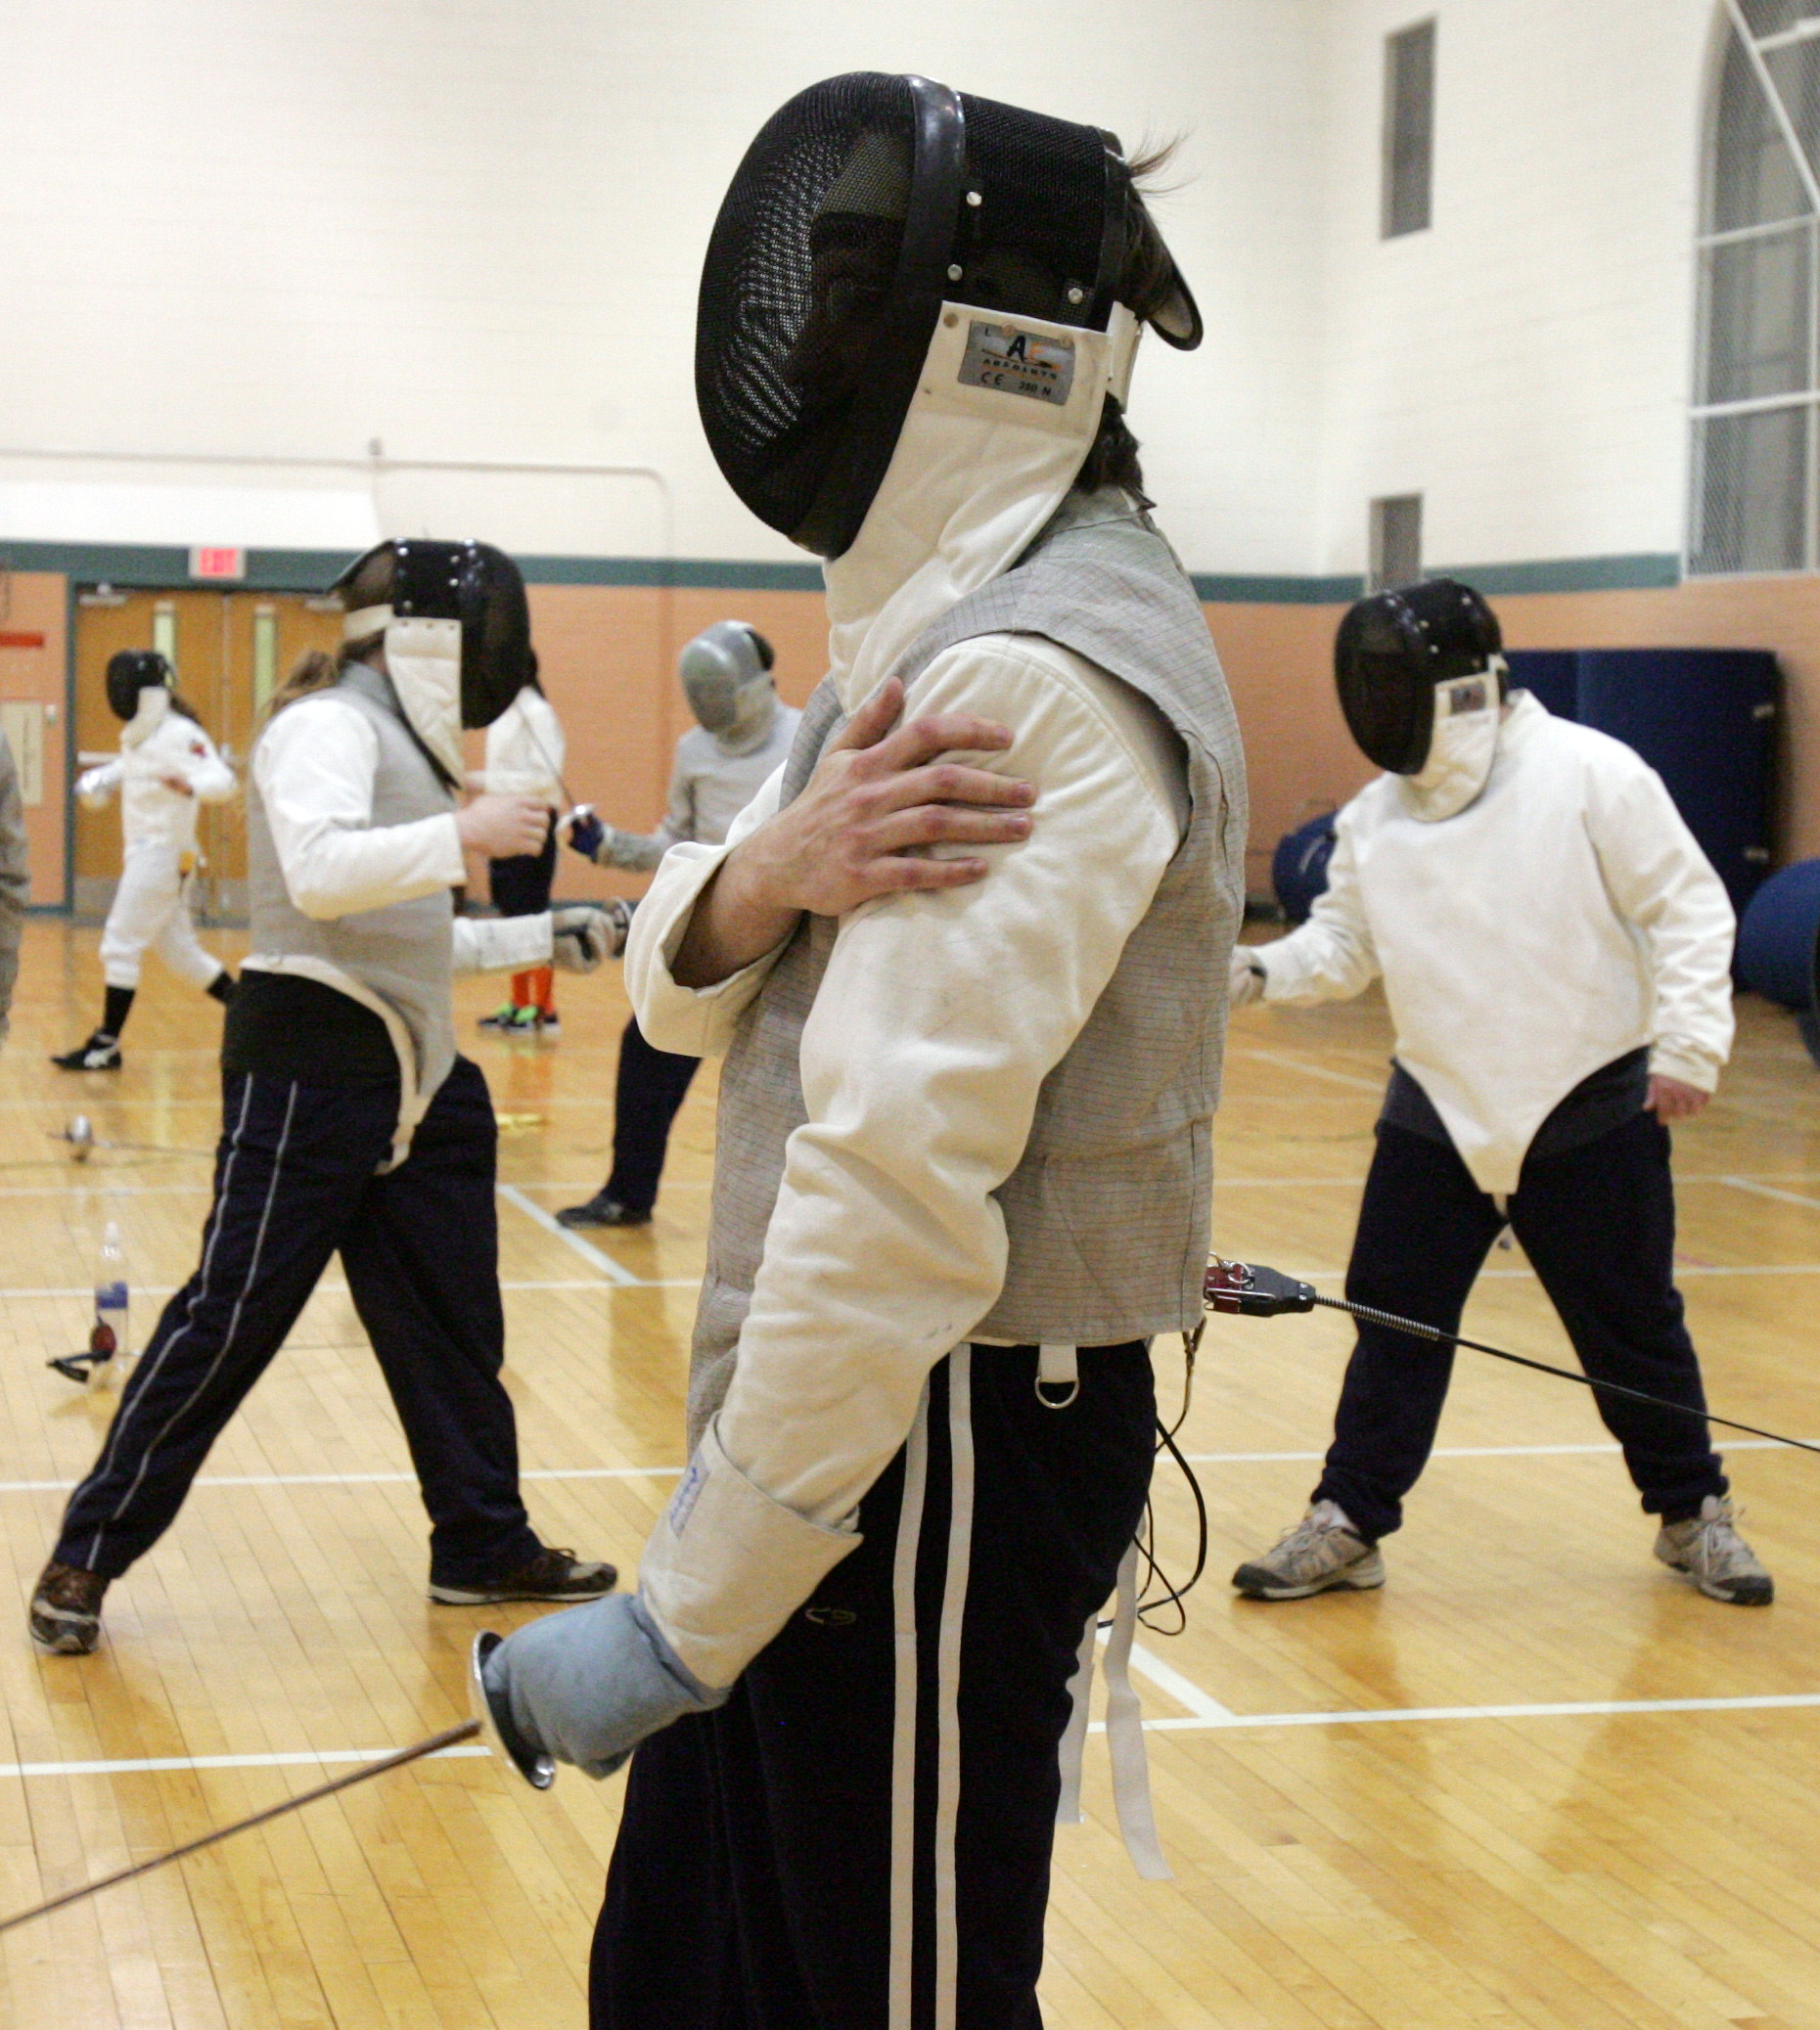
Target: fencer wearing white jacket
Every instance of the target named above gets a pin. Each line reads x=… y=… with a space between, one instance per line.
x=1563 y=918
x=525 y=751
x=159 y=747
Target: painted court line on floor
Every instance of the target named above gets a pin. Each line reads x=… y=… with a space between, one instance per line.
x=614 y=1271
x=1220 y=1720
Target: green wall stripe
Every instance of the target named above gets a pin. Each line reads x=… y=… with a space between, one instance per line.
x=1644 y=570
x=162 y=568
x=1215 y=587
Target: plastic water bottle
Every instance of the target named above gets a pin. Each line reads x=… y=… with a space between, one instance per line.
x=108 y=1339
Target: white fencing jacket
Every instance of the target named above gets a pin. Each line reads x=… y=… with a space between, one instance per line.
x=315 y=766
x=943 y=1010
x=1565 y=918
x=525 y=752
x=152 y=815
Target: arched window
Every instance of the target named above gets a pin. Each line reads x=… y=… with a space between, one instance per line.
x=1756 y=403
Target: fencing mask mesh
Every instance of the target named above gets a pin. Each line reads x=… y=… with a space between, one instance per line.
x=864 y=203
x=132 y=671
x=1393 y=650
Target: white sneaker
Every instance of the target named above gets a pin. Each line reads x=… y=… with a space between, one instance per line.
x=1709 y=1550
x=1322 y=1552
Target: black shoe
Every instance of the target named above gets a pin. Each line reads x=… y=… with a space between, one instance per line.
x=101 y=1052
x=552 y=1575
x=66 y=1609
x=602 y=1211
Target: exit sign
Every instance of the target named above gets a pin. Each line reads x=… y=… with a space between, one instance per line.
x=215 y=562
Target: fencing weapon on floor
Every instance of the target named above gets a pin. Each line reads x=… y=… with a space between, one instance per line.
x=436 y=1743
x=1250 y=1291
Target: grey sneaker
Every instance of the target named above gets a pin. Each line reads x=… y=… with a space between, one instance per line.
x=552 y=1575
x=1709 y=1550
x=66 y=1609
x=1323 y=1551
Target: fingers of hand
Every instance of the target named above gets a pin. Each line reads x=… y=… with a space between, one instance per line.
x=897 y=877
x=952 y=782
x=874 y=719
x=940 y=732
x=935 y=824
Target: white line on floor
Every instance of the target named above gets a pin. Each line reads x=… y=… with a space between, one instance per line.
x=388 y=1479
x=1243 y=1459
x=1563 y=1709
x=1320 y=1071
x=1769 y=1191
x=614 y=1271
x=339 y=1289
x=1184 y=1690
x=1199 y=1721
x=154 y=1764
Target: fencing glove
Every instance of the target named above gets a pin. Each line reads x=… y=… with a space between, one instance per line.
x=586 y=833
x=588 y=1685
x=586 y=933
x=1245 y=980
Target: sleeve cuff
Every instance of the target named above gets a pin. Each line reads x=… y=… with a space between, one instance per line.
x=726 y=1565
x=1672 y=1060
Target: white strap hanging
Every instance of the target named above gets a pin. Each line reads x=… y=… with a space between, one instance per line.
x=1124 y=1735
x=1074 y=1737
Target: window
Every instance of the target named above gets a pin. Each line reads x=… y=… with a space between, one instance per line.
x=1408 y=129
x=1757 y=397
x=1396 y=542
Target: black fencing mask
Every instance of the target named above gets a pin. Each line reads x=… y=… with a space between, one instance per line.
x=132 y=671
x=864 y=204
x=457 y=631
x=1392 y=651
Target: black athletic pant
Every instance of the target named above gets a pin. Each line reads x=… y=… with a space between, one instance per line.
x=1597 y=1222
x=870 y=1816
x=649 y=1090
x=294 y=1182
x=521 y=885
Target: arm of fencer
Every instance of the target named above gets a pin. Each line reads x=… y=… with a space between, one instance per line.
x=945 y=1009
x=210 y=778
x=15 y=878
x=1331 y=957
x=95 y=785
x=502 y=944
x=693 y=1021
x=1661 y=880
x=315 y=766
x=638 y=852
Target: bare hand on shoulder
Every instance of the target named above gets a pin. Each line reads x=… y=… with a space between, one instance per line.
x=879 y=794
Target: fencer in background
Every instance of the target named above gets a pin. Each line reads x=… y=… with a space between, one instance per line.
x=741 y=736
x=1556 y=951
x=350 y=1121
x=525 y=756
x=14 y=880
x=166 y=769
x=963 y=1152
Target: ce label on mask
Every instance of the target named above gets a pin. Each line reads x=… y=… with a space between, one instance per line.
x=1011 y=361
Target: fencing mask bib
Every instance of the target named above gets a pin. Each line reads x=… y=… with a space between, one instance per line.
x=726 y=677
x=867 y=207
x=1421 y=674
x=140 y=682
x=456 y=633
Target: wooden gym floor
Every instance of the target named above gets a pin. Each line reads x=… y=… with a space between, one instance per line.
x=1536 y=1781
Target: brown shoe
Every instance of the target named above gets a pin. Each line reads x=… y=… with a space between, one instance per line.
x=66 y=1609
x=552 y=1575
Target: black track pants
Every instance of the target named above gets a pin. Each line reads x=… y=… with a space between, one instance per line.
x=294 y=1182
x=1597 y=1222
x=649 y=1090
x=859 y=1839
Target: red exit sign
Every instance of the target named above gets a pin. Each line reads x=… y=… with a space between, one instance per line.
x=218 y=563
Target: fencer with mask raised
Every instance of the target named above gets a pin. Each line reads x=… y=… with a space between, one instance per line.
x=166 y=769
x=963 y=1159
x=1556 y=953
x=741 y=738
x=350 y=1121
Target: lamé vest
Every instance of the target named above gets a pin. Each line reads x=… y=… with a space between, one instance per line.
x=402 y=956
x=1108 y=1214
